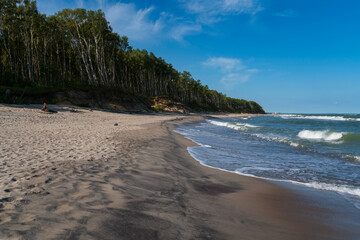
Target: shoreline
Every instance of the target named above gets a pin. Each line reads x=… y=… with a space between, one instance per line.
x=301 y=220
x=150 y=189
x=339 y=214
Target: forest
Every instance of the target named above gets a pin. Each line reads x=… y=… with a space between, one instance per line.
x=77 y=48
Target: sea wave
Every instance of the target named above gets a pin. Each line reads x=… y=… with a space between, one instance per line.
x=353 y=158
x=323 y=117
x=280 y=139
x=326 y=135
x=343 y=190
x=236 y=126
x=338 y=188
x=334 y=187
x=243 y=169
x=354 y=191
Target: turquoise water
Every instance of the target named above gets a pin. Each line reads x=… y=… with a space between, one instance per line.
x=318 y=151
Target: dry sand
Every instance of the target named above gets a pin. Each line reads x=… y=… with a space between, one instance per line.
x=75 y=175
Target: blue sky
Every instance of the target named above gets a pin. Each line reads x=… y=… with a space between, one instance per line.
x=289 y=56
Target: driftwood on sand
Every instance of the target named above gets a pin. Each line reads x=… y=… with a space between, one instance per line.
x=45 y=109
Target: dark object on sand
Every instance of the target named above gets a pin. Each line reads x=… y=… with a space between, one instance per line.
x=116 y=124
x=47 y=110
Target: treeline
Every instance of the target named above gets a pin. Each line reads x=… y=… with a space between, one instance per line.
x=78 y=48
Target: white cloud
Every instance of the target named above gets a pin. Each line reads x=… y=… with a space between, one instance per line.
x=234 y=78
x=149 y=24
x=286 y=13
x=180 y=31
x=139 y=24
x=253 y=70
x=224 y=64
x=233 y=70
x=213 y=11
x=135 y=23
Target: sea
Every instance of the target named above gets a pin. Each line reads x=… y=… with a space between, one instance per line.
x=318 y=151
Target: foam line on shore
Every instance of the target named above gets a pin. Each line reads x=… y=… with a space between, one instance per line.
x=314 y=185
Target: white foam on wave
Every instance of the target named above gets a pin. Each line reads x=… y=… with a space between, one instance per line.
x=336 y=188
x=317 y=185
x=257 y=168
x=331 y=118
x=325 y=135
x=340 y=189
x=236 y=126
x=246 y=125
x=294 y=144
x=354 y=158
x=277 y=139
x=270 y=138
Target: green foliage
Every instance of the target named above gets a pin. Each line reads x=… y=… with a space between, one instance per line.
x=159 y=108
x=76 y=48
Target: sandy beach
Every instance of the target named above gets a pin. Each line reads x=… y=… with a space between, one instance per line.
x=92 y=174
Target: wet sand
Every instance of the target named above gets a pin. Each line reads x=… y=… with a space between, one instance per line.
x=76 y=175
